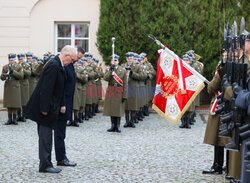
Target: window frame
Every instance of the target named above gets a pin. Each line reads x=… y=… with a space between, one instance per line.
x=72 y=36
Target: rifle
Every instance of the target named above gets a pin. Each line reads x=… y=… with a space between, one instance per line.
x=231 y=115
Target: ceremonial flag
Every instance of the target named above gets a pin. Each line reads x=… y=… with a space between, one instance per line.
x=177 y=85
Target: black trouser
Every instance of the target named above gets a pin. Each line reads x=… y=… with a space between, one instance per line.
x=59 y=136
x=45 y=146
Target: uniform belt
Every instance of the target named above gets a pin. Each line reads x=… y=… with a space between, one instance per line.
x=115 y=84
x=12 y=78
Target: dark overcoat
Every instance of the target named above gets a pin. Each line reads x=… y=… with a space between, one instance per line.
x=69 y=89
x=48 y=95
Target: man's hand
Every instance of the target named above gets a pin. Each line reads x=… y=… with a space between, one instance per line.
x=112 y=68
x=63 y=109
x=44 y=113
x=123 y=100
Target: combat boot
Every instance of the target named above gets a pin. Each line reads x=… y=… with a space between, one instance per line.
x=193 y=117
x=90 y=113
x=138 y=117
x=182 y=123
x=215 y=169
x=9 y=122
x=80 y=117
x=96 y=109
x=218 y=161
x=131 y=122
x=14 y=120
x=127 y=122
x=112 y=129
x=19 y=118
x=75 y=122
x=86 y=115
x=23 y=117
x=142 y=113
x=190 y=121
x=93 y=111
x=118 y=122
x=146 y=113
x=187 y=123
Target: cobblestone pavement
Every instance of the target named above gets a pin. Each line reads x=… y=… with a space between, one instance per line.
x=155 y=151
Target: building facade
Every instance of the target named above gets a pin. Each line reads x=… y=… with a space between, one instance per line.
x=39 y=26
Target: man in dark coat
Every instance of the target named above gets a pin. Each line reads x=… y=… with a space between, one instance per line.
x=47 y=101
x=60 y=130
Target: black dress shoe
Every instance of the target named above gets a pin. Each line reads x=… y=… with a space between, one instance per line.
x=234 y=181
x=51 y=170
x=212 y=171
x=70 y=123
x=65 y=162
x=228 y=177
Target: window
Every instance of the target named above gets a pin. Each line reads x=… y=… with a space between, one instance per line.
x=75 y=34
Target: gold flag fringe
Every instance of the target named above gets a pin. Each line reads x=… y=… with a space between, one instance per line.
x=174 y=121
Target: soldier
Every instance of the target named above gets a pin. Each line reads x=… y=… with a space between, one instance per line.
x=94 y=89
x=99 y=85
x=24 y=86
x=11 y=74
x=141 y=89
x=212 y=129
x=31 y=78
x=116 y=93
x=149 y=85
x=245 y=173
x=198 y=66
x=79 y=100
x=186 y=117
x=133 y=76
x=89 y=87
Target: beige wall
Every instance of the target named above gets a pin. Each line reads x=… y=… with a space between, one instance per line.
x=28 y=25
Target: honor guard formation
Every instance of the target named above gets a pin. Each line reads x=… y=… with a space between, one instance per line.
x=130 y=91
x=228 y=125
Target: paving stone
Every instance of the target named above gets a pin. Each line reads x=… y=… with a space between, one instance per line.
x=155 y=151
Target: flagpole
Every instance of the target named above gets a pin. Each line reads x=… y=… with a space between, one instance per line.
x=113 y=47
x=174 y=55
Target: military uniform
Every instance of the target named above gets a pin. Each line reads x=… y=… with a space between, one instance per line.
x=100 y=75
x=151 y=73
x=212 y=130
x=89 y=87
x=131 y=104
x=24 y=87
x=80 y=92
x=116 y=94
x=11 y=74
x=141 y=92
x=95 y=97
